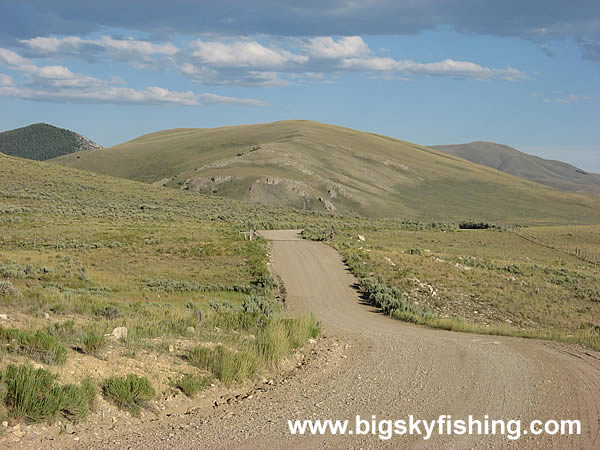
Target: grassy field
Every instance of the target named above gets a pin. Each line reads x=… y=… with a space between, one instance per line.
x=487 y=281
x=583 y=241
x=83 y=256
x=314 y=166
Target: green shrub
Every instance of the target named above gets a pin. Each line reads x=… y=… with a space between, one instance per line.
x=109 y=312
x=226 y=365
x=225 y=306
x=392 y=301
x=191 y=385
x=65 y=332
x=255 y=304
x=83 y=274
x=32 y=395
x=93 y=342
x=39 y=345
x=7 y=289
x=318 y=234
x=273 y=340
x=129 y=392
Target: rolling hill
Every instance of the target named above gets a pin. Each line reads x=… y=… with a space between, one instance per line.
x=507 y=159
x=41 y=142
x=314 y=166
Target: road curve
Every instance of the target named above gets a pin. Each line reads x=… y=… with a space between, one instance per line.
x=391 y=370
x=414 y=370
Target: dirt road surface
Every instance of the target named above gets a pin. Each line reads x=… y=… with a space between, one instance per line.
x=378 y=366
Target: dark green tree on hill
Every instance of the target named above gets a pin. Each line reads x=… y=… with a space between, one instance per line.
x=41 y=141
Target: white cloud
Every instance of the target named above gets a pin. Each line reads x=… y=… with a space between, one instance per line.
x=16 y=61
x=447 y=67
x=51 y=76
x=5 y=80
x=108 y=94
x=73 y=43
x=243 y=54
x=213 y=98
x=571 y=98
x=347 y=47
x=52 y=44
x=59 y=84
x=135 y=46
x=232 y=76
x=250 y=63
x=227 y=61
x=141 y=54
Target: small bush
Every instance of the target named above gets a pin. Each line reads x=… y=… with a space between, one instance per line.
x=392 y=302
x=39 y=345
x=129 y=393
x=222 y=306
x=83 y=274
x=476 y=225
x=32 y=395
x=255 y=304
x=109 y=312
x=191 y=385
x=7 y=289
x=65 y=332
x=93 y=343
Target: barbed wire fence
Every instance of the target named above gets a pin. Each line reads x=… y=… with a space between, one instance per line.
x=580 y=253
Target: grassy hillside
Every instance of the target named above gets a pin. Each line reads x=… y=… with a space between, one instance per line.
x=506 y=159
x=82 y=255
x=41 y=142
x=309 y=165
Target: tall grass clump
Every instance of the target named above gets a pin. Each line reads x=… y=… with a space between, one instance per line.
x=191 y=384
x=32 y=395
x=39 y=345
x=129 y=392
x=93 y=343
x=225 y=364
x=273 y=340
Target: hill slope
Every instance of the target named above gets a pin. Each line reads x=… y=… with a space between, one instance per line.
x=507 y=159
x=314 y=166
x=41 y=142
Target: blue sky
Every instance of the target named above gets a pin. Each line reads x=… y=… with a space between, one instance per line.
x=522 y=73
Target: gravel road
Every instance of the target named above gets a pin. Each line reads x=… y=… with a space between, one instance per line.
x=369 y=364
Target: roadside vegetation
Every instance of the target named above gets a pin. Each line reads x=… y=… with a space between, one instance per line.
x=129 y=392
x=33 y=395
x=482 y=279
x=115 y=287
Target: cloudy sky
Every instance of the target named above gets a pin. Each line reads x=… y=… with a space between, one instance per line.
x=524 y=73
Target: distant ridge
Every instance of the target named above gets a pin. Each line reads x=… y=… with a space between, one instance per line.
x=314 y=166
x=557 y=174
x=41 y=142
